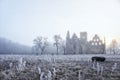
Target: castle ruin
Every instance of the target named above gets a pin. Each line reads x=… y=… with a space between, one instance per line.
x=75 y=45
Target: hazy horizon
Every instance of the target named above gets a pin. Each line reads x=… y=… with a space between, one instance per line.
x=22 y=21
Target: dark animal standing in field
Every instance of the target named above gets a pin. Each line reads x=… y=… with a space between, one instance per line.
x=97 y=58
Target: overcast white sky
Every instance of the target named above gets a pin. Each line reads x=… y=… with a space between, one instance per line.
x=23 y=20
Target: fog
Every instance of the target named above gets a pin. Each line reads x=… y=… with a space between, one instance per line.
x=21 y=21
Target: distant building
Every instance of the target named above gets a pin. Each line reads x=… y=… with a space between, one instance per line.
x=96 y=45
x=81 y=45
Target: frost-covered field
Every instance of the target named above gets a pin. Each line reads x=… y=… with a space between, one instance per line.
x=58 y=67
x=109 y=57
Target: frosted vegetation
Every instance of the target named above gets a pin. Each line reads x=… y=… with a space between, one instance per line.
x=48 y=67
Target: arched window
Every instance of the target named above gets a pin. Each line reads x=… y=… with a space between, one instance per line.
x=100 y=43
x=96 y=44
x=92 y=43
x=97 y=40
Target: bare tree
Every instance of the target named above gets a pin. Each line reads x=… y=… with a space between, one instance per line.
x=41 y=43
x=114 y=46
x=35 y=49
x=57 y=40
x=63 y=47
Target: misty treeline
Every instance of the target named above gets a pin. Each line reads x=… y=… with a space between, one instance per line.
x=9 y=47
x=114 y=47
x=43 y=46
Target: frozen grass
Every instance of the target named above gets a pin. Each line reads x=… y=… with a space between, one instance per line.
x=84 y=57
x=58 y=67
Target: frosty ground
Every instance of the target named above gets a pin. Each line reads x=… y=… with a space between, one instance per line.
x=83 y=57
x=59 y=67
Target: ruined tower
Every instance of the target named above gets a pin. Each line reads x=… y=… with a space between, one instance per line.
x=83 y=36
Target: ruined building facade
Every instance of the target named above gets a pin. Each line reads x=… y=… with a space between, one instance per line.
x=75 y=45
